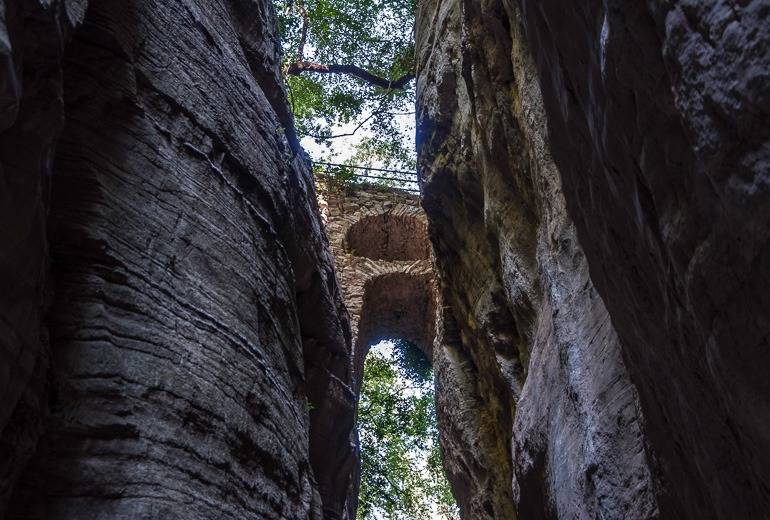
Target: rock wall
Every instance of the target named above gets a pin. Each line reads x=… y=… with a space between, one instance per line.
x=658 y=115
x=533 y=388
x=193 y=315
x=606 y=324
x=173 y=342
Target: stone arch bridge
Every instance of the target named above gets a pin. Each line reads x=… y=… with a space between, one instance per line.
x=379 y=238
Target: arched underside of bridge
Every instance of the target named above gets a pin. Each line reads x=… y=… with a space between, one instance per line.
x=379 y=238
x=397 y=306
x=390 y=237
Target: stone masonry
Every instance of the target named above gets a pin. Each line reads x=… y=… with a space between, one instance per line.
x=379 y=239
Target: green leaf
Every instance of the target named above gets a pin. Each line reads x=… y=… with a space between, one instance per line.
x=402 y=477
x=376 y=35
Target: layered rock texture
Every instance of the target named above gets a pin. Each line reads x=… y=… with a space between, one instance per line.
x=596 y=185
x=174 y=342
x=156 y=210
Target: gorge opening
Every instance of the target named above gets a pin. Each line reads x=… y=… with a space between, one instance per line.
x=401 y=466
x=190 y=309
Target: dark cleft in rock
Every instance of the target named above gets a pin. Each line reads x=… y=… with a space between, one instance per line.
x=32 y=38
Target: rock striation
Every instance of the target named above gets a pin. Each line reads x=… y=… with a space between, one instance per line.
x=595 y=180
x=174 y=342
x=658 y=114
x=532 y=386
x=169 y=305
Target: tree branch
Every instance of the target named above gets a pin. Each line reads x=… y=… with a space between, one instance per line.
x=301 y=66
x=348 y=134
x=303 y=35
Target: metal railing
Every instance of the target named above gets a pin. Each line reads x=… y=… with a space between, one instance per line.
x=404 y=179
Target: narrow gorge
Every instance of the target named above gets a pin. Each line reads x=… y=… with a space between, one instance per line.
x=185 y=307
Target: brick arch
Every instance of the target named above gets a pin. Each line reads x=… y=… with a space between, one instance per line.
x=407 y=210
x=388 y=295
x=398 y=306
x=399 y=233
x=376 y=287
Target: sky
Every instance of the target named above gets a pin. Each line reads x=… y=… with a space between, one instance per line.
x=343 y=148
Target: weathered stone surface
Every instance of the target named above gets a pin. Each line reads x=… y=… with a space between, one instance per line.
x=388 y=237
x=658 y=114
x=657 y=119
x=536 y=410
x=173 y=341
x=195 y=318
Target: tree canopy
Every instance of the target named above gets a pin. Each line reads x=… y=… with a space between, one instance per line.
x=350 y=64
x=401 y=472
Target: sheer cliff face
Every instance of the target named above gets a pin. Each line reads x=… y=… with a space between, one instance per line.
x=537 y=412
x=172 y=339
x=605 y=309
x=659 y=114
x=193 y=316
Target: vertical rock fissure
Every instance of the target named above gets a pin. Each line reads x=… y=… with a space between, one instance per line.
x=586 y=264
